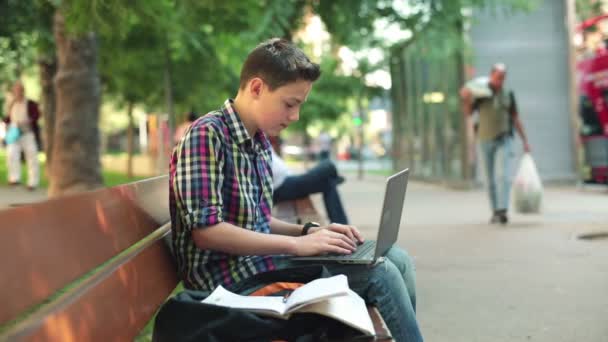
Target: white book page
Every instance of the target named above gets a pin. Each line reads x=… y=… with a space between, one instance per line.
x=349 y=309
x=222 y=297
x=317 y=290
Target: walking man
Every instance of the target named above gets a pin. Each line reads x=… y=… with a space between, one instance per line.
x=498 y=117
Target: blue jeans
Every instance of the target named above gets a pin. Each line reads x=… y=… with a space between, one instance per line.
x=323 y=178
x=498 y=155
x=389 y=285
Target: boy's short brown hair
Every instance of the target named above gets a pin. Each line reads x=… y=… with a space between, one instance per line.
x=278 y=62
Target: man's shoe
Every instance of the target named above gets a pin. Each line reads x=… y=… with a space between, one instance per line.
x=495 y=218
x=503 y=218
x=340 y=180
x=14 y=183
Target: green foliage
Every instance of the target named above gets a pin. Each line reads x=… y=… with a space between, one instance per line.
x=110 y=178
x=351 y=22
x=25 y=32
x=202 y=44
x=586 y=9
x=328 y=99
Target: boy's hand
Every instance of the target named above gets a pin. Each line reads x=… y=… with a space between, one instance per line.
x=334 y=238
x=351 y=231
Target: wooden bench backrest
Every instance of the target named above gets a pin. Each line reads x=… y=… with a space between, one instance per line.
x=48 y=245
x=300 y=211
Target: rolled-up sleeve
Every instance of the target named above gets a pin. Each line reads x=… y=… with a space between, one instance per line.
x=199 y=177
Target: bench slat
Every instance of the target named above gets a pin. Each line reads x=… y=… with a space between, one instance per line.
x=285 y=211
x=298 y=211
x=137 y=289
x=306 y=210
x=47 y=245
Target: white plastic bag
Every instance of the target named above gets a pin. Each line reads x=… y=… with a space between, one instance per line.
x=479 y=87
x=527 y=187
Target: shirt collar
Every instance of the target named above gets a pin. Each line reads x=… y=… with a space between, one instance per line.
x=237 y=128
x=494 y=90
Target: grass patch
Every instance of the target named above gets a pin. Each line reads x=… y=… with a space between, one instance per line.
x=110 y=178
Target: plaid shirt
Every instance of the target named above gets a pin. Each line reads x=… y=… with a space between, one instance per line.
x=218 y=173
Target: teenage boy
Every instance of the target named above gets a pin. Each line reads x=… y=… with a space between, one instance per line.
x=221 y=195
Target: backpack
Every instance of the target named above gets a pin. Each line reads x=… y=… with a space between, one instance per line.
x=184 y=318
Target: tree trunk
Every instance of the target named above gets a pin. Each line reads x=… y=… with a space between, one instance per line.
x=162 y=165
x=169 y=91
x=400 y=153
x=76 y=162
x=48 y=69
x=130 y=142
x=360 y=133
x=467 y=168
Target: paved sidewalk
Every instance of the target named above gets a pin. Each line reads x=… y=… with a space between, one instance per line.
x=11 y=196
x=531 y=280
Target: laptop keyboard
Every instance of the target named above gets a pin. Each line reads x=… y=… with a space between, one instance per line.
x=364 y=251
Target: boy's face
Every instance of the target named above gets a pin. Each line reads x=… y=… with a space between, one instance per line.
x=275 y=110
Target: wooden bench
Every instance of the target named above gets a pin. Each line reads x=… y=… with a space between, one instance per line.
x=117 y=232
x=302 y=210
x=298 y=211
x=88 y=267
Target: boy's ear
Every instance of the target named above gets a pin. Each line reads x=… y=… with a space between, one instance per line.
x=255 y=87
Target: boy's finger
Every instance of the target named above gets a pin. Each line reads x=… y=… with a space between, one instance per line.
x=357 y=234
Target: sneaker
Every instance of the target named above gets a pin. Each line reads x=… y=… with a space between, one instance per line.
x=14 y=183
x=503 y=218
x=340 y=180
x=495 y=218
x=31 y=188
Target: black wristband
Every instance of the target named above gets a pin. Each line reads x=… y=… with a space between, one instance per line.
x=309 y=225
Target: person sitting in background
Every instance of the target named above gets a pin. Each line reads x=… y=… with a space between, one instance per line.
x=323 y=178
x=324 y=141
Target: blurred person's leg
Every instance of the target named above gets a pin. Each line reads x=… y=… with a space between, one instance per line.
x=333 y=205
x=31 y=156
x=504 y=156
x=488 y=149
x=323 y=178
x=13 y=159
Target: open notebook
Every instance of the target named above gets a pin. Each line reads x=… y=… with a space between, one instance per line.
x=330 y=297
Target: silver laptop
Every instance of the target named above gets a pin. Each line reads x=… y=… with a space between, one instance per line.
x=390 y=220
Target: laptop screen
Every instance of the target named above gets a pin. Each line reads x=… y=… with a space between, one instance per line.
x=390 y=219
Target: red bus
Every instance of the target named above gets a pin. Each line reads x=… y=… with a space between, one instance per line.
x=592 y=74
